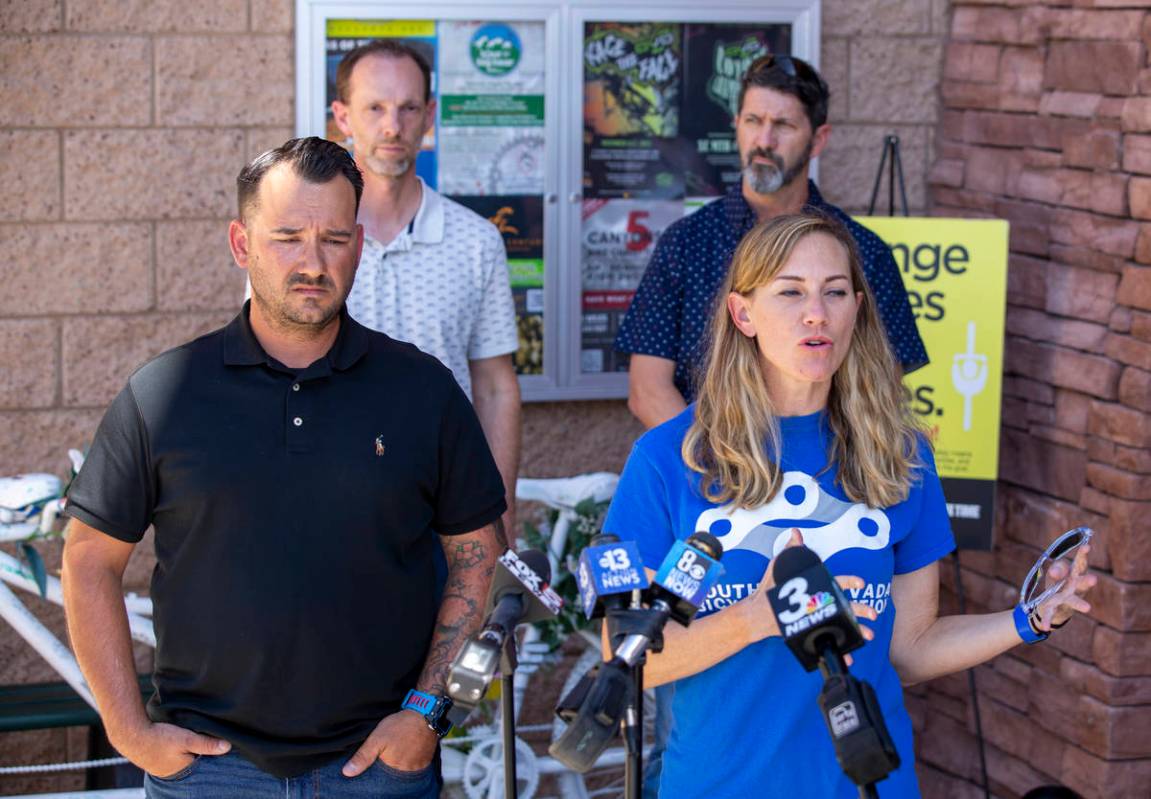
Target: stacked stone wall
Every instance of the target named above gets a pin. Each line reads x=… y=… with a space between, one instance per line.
x=1046 y=121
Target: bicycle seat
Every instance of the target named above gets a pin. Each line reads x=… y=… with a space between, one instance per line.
x=567 y=492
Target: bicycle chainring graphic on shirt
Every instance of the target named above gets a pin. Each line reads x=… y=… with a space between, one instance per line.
x=829 y=525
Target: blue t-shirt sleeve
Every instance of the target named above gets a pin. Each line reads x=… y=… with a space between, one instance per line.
x=652 y=323
x=640 y=511
x=930 y=537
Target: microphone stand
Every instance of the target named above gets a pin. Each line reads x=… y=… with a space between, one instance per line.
x=626 y=622
x=633 y=735
x=832 y=664
x=508 y=665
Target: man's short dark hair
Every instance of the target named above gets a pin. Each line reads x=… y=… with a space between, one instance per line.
x=314 y=159
x=789 y=75
x=389 y=48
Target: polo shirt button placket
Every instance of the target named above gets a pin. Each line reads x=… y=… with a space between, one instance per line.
x=299 y=408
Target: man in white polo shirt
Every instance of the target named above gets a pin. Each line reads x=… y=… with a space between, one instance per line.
x=432 y=272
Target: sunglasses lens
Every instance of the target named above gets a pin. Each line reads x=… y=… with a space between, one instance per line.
x=1032 y=585
x=1069 y=542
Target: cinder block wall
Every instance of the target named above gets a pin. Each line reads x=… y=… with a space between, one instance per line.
x=1045 y=121
x=122 y=126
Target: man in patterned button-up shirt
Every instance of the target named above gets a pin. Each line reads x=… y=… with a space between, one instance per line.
x=780 y=126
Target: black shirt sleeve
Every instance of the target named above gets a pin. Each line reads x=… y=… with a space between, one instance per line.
x=471 y=491
x=114 y=491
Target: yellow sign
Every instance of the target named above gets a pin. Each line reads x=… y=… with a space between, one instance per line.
x=380 y=29
x=955 y=273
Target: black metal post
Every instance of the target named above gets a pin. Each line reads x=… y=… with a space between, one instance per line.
x=894 y=163
x=633 y=736
x=878 y=181
x=508 y=663
x=902 y=183
x=893 y=146
x=507 y=705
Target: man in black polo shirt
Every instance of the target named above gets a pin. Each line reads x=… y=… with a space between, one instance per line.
x=297 y=469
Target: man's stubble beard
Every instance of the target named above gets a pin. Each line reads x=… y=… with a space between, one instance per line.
x=770 y=178
x=280 y=313
x=385 y=168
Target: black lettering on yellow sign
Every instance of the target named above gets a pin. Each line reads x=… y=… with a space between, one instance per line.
x=922 y=401
x=923 y=264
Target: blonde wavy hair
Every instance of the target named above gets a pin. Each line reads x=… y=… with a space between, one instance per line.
x=874 y=433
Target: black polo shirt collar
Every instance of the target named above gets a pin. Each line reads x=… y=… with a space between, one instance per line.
x=242 y=348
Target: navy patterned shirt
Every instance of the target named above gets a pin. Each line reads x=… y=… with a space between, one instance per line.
x=671 y=310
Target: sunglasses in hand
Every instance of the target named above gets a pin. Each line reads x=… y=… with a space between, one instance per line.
x=1065 y=546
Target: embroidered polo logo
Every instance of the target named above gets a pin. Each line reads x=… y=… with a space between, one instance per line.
x=379 y=445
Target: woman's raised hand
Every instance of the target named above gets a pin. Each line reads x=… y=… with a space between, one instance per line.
x=1062 y=605
x=760 y=619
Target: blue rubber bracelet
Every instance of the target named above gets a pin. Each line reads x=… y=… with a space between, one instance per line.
x=419 y=701
x=1023 y=627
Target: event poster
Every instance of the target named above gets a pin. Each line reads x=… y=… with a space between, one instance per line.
x=658 y=142
x=486 y=149
x=632 y=84
x=492 y=108
x=955 y=273
x=618 y=238
x=715 y=60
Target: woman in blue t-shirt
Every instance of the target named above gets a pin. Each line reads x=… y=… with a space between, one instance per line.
x=801 y=434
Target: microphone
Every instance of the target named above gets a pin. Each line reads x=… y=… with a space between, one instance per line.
x=609 y=570
x=817 y=624
x=606 y=694
x=812 y=612
x=688 y=572
x=519 y=594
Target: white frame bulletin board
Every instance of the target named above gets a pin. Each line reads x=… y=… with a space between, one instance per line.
x=581 y=195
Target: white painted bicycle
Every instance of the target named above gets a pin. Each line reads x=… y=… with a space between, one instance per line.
x=472 y=763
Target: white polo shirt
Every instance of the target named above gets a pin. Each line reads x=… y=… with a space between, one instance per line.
x=441 y=284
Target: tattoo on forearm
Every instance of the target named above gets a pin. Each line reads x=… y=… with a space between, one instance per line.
x=460 y=616
x=471 y=564
x=467 y=555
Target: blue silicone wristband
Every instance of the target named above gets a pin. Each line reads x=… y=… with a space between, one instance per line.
x=1023 y=627
x=419 y=702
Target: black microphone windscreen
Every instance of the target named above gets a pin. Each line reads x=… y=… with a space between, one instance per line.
x=603 y=539
x=537 y=562
x=791 y=561
x=707 y=543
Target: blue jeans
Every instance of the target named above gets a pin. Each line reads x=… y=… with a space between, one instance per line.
x=232 y=777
